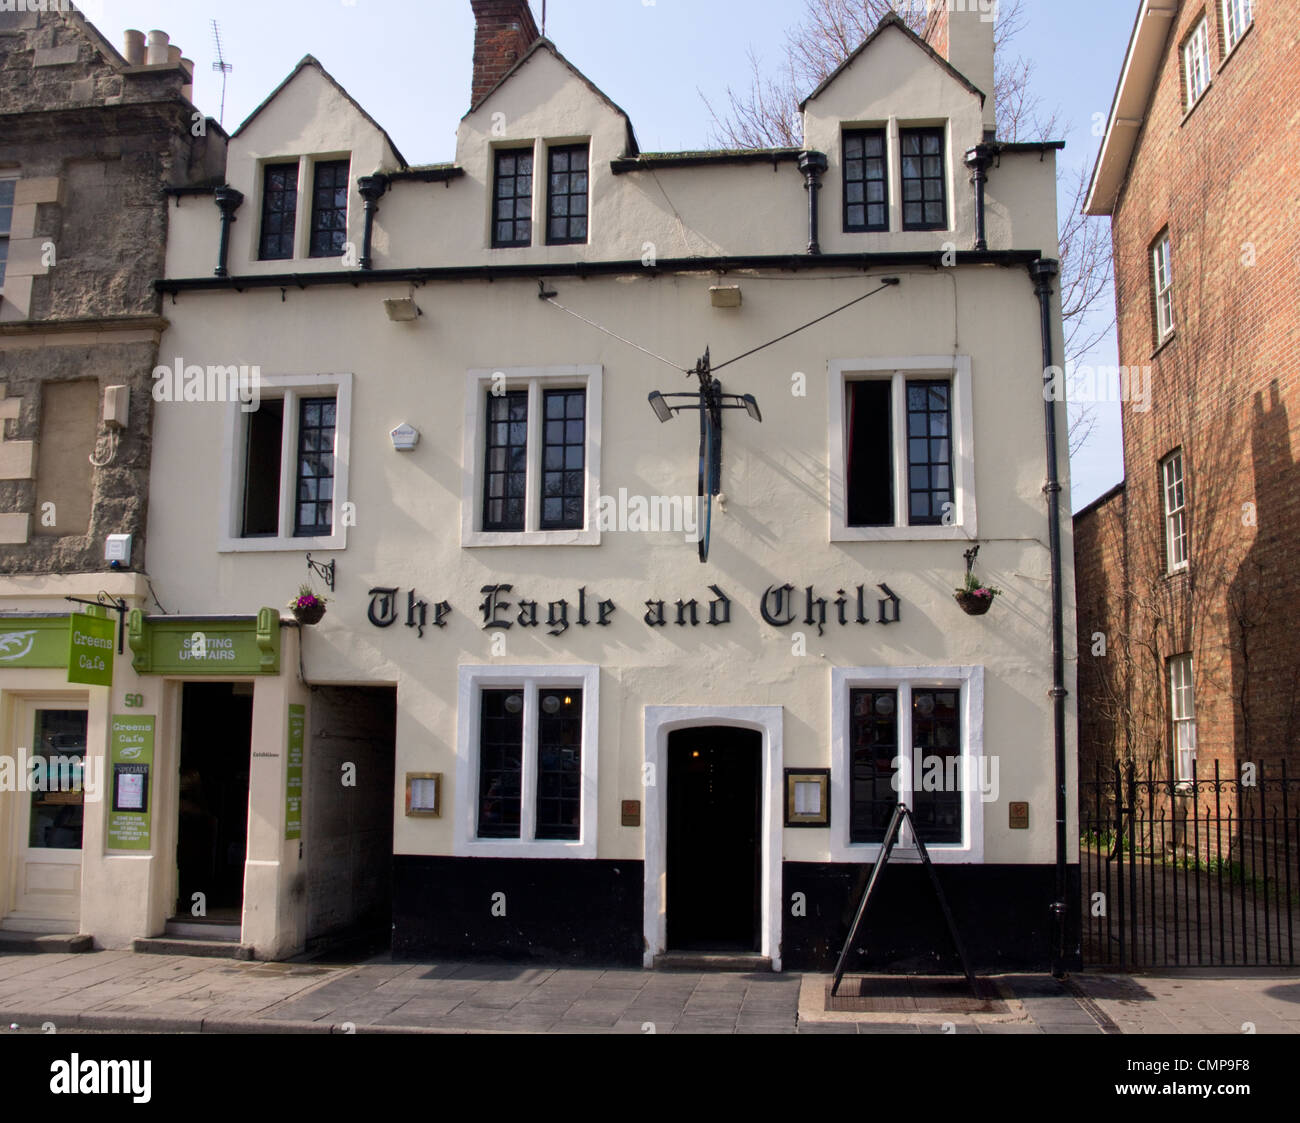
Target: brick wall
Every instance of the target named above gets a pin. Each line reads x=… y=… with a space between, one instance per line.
x=1221 y=177
x=504 y=30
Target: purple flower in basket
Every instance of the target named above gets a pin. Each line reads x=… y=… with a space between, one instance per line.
x=306 y=599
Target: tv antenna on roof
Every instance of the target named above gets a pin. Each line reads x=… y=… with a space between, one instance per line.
x=222 y=66
x=543 y=19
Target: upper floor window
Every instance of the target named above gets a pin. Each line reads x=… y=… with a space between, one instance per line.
x=866 y=181
x=532 y=441
x=1196 y=62
x=566 y=195
x=512 y=198
x=1182 y=717
x=1237 y=16
x=279 y=211
x=329 y=208
x=288 y=479
x=925 y=204
x=1163 y=287
x=6 y=222
x=1177 y=537
x=905 y=441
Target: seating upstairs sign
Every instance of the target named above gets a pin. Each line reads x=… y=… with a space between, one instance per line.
x=205 y=645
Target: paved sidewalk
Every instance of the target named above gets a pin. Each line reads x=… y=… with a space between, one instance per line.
x=127 y=991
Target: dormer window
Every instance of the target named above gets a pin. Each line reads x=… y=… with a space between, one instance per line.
x=566 y=195
x=866 y=181
x=279 y=211
x=512 y=198
x=925 y=201
x=329 y=208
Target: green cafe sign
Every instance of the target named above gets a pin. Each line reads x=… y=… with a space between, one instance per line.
x=172 y=645
x=34 y=641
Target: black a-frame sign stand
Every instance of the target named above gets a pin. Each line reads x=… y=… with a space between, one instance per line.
x=901 y=813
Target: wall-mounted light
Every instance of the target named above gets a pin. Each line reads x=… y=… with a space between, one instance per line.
x=662 y=409
x=724 y=296
x=402 y=310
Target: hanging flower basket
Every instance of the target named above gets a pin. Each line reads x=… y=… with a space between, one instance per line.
x=974 y=596
x=307 y=607
x=972 y=603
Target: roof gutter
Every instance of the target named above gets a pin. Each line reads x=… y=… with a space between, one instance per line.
x=933 y=259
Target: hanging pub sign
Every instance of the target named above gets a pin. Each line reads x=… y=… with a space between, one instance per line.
x=90 y=649
x=503 y=607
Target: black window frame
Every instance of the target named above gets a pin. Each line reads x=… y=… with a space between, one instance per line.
x=567 y=151
x=337 y=230
x=510 y=447
x=868 y=817
x=858 y=465
x=929 y=807
x=863 y=135
x=281 y=202
x=558 y=765
x=929 y=437
x=498 y=155
x=320 y=458
x=924 y=133
x=508 y=729
x=557 y=484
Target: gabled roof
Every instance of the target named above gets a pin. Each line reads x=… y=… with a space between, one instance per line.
x=543 y=44
x=310 y=60
x=892 y=19
x=1128 y=110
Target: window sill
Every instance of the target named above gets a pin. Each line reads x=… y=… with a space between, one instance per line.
x=511 y=848
x=1233 y=49
x=282 y=545
x=868 y=853
x=1181 y=571
x=1168 y=339
x=478 y=538
x=1192 y=108
x=957 y=532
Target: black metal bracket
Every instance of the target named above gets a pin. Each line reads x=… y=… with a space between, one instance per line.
x=892 y=832
x=107 y=600
x=323 y=571
x=543 y=293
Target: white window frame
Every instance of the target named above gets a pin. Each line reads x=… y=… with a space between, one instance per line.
x=1238 y=15
x=969 y=681
x=304 y=208
x=291 y=388
x=530 y=680
x=1162 y=281
x=534 y=380
x=1196 y=62
x=1182 y=716
x=6 y=235
x=899 y=371
x=1173 y=493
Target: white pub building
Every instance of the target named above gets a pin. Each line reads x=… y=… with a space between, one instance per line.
x=639 y=487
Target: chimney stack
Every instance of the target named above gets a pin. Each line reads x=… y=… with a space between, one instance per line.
x=504 y=30
x=962 y=32
x=133 y=47
x=156 y=54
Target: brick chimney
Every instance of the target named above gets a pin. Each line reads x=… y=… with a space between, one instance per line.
x=504 y=30
x=962 y=32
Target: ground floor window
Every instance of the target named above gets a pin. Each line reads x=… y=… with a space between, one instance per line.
x=526 y=782
x=910 y=735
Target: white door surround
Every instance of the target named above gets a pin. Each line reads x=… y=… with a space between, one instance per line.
x=660 y=721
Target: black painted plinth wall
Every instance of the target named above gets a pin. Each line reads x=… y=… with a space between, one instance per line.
x=590 y=912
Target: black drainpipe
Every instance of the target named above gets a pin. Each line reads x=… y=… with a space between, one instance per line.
x=977 y=159
x=1043 y=273
x=371 y=188
x=812 y=164
x=227 y=200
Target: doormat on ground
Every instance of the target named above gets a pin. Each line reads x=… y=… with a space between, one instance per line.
x=914 y=994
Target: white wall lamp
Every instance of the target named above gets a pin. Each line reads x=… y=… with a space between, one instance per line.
x=402 y=310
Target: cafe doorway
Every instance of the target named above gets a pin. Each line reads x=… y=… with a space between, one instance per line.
x=212 y=826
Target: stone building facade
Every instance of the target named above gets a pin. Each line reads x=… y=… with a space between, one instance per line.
x=1188 y=569
x=89 y=140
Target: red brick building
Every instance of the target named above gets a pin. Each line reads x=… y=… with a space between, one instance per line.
x=1187 y=577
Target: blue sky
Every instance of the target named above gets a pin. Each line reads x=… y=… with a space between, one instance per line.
x=408 y=63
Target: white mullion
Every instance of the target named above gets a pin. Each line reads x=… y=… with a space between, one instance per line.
x=894 y=174
x=898 y=407
x=533 y=483
x=905 y=750
x=528 y=779
x=288 y=463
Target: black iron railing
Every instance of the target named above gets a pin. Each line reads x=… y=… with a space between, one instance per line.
x=1186 y=873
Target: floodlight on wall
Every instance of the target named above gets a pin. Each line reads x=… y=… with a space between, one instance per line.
x=402 y=310
x=662 y=409
x=725 y=296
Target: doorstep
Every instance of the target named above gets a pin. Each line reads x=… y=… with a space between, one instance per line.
x=45 y=942
x=711 y=961
x=177 y=945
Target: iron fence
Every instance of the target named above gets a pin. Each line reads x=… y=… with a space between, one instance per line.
x=1187 y=873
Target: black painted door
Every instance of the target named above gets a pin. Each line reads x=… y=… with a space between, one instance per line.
x=713 y=839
